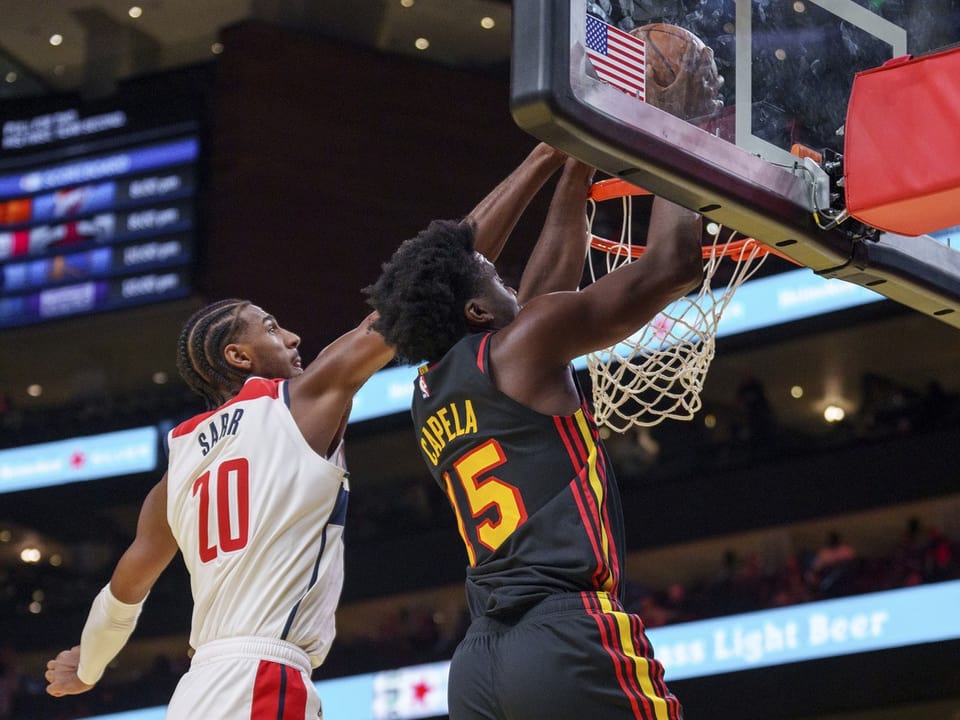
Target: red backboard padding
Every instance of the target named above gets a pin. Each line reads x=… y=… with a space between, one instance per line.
x=902 y=144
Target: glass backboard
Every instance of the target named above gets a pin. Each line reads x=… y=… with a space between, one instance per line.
x=787 y=69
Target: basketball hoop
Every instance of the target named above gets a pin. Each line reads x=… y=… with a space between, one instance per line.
x=658 y=372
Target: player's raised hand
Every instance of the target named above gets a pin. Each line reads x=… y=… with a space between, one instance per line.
x=61 y=674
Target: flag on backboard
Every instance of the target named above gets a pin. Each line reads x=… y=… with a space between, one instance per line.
x=618 y=57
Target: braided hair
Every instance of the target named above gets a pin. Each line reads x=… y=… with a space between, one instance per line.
x=200 y=359
x=421 y=293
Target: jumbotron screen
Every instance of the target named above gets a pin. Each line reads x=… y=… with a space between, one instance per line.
x=97 y=210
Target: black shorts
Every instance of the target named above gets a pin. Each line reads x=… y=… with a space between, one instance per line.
x=572 y=656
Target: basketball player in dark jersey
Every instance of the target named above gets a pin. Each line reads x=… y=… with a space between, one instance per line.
x=506 y=431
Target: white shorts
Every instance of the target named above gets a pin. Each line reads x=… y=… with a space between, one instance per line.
x=249 y=677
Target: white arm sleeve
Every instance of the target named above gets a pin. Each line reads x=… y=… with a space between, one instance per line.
x=106 y=631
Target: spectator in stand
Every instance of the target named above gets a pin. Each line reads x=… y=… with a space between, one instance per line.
x=831 y=572
x=909 y=555
x=676 y=603
x=938 y=561
x=754 y=427
x=789 y=587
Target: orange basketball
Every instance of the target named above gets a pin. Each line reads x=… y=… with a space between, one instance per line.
x=665 y=46
x=682 y=77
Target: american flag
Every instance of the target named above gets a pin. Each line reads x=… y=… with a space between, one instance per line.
x=618 y=57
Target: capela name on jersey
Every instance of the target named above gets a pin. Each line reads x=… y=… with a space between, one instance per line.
x=449 y=422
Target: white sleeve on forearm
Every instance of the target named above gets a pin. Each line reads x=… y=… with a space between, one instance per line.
x=106 y=631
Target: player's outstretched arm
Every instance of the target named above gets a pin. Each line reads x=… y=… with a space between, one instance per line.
x=553 y=329
x=114 y=612
x=556 y=262
x=531 y=356
x=322 y=397
x=497 y=214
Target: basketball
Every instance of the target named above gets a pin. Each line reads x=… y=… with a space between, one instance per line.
x=665 y=48
x=681 y=75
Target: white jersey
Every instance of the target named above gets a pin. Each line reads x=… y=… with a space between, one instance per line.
x=259 y=517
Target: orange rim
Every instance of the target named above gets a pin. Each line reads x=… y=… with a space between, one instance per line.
x=736 y=249
x=614 y=188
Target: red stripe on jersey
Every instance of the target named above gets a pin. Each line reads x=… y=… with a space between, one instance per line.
x=608 y=634
x=600 y=572
x=278 y=693
x=586 y=409
x=613 y=557
x=601 y=470
x=582 y=495
x=656 y=674
x=582 y=454
x=480 y=355
x=561 y=423
x=252 y=389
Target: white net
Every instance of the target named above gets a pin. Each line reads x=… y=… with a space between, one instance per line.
x=659 y=371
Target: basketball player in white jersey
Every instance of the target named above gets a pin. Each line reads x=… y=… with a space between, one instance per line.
x=255 y=498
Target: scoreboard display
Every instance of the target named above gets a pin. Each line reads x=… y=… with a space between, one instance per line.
x=97 y=210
